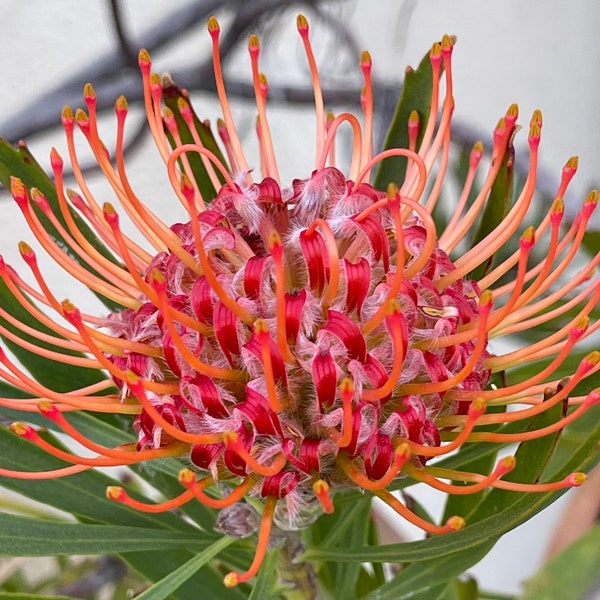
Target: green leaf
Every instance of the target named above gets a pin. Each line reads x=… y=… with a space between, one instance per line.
x=167 y=585
x=574 y=571
x=347 y=528
x=172 y=94
x=55 y=374
x=424 y=575
x=19 y=162
x=83 y=494
x=23 y=536
x=496 y=208
x=10 y=596
x=532 y=457
x=416 y=95
x=458 y=504
x=158 y=565
x=266 y=578
x=524 y=507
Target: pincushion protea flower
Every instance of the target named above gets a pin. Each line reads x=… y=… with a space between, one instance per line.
x=296 y=342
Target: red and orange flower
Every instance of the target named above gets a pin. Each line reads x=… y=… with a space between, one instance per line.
x=295 y=342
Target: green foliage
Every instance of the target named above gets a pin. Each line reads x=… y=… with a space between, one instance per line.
x=173 y=96
x=416 y=95
x=574 y=571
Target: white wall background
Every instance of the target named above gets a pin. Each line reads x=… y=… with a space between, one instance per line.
x=541 y=54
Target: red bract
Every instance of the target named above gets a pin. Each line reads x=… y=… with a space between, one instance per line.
x=296 y=342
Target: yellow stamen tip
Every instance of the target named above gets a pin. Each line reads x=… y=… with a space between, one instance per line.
x=19 y=428
x=114 y=492
x=186 y=477
x=320 y=487
x=108 y=209
x=88 y=91
x=455 y=523
x=213 y=25
x=365 y=57
x=508 y=463
x=25 y=248
x=67 y=113
x=347 y=386
x=573 y=162
x=182 y=103
x=121 y=103
x=301 y=22
x=253 y=42
x=81 y=115
x=513 y=111
x=393 y=307
x=274 y=240
x=392 y=190
x=558 y=206
x=68 y=305
x=402 y=451
x=593 y=357
x=478 y=406
x=578 y=478
x=447 y=42
x=156 y=277
x=230 y=437
x=231 y=579
x=44 y=406
x=592 y=197
x=414 y=117
x=528 y=235
x=260 y=327
x=534 y=130
x=486 y=298
x=144 y=56
x=436 y=49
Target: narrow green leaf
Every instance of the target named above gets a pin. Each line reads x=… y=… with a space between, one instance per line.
x=266 y=578
x=155 y=566
x=574 y=571
x=24 y=536
x=496 y=208
x=424 y=575
x=19 y=162
x=343 y=529
x=83 y=494
x=55 y=374
x=172 y=95
x=10 y=596
x=492 y=527
x=107 y=430
x=532 y=457
x=464 y=504
x=167 y=585
x=416 y=95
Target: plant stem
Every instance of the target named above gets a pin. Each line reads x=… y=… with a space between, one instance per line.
x=298 y=577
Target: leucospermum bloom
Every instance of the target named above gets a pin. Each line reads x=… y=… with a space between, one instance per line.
x=296 y=342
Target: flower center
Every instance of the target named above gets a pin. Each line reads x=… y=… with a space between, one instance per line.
x=314 y=335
